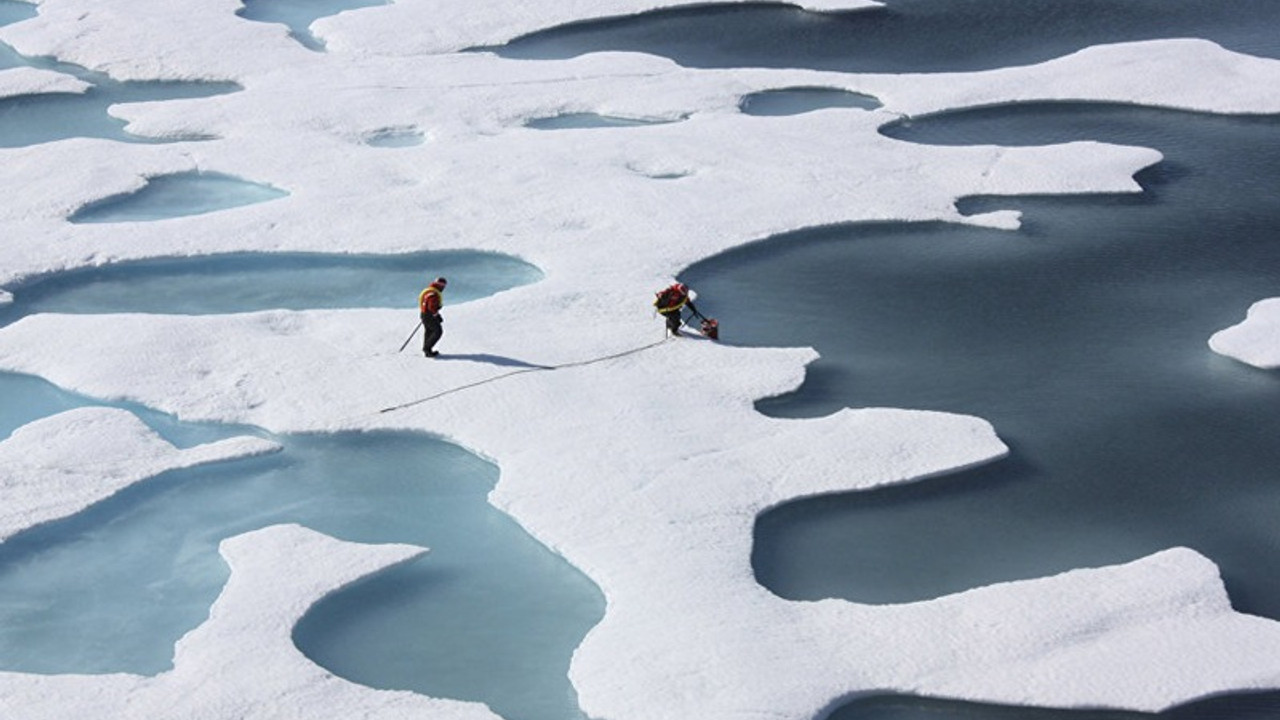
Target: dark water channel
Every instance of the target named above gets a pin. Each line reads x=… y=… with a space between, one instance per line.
x=1082 y=337
x=908 y=35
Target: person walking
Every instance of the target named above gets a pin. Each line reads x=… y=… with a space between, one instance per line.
x=671 y=303
x=430 y=301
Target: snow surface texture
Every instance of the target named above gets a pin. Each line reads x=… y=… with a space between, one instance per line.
x=1255 y=341
x=610 y=215
x=15 y=82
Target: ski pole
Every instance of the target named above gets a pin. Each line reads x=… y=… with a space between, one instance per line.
x=406 y=340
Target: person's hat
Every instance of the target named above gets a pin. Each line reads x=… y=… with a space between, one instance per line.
x=441 y=282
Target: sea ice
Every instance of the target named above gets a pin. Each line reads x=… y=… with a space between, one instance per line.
x=1256 y=340
x=16 y=82
x=641 y=461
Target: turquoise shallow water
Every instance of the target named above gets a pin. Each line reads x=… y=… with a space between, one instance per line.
x=12 y=11
x=585 y=121
x=297 y=15
x=246 y=282
x=34 y=119
x=177 y=195
x=489 y=614
x=494 y=616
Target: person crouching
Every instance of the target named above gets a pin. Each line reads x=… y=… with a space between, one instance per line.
x=671 y=303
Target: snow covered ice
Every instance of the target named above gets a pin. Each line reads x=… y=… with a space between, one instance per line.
x=587 y=463
x=1256 y=340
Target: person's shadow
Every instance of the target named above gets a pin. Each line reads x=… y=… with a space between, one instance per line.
x=494 y=360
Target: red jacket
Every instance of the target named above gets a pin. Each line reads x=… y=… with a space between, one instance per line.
x=671 y=299
x=431 y=300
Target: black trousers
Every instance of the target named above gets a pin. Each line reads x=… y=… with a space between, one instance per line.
x=673 y=321
x=432 y=331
